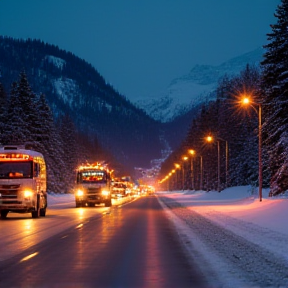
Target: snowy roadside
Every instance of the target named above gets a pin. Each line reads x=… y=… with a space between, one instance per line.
x=230 y=252
x=60 y=199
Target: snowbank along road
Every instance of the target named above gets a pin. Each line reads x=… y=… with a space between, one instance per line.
x=226 y=258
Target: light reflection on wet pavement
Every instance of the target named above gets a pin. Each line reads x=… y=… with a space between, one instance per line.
x=130 y=246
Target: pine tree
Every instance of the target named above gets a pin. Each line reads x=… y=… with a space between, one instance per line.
x=27 y=100
x=14 y=132
x=68 y=136
x=51 y=145
x=21 y=114
x=275 y=99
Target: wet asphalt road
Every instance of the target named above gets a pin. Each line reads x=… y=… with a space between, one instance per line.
x=130 y=246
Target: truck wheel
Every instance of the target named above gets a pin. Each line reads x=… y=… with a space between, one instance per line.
x=43 y=212
x=108 y=203
x=36 y=212
x=4 y=214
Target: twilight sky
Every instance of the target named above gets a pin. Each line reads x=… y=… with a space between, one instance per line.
x=139 y=46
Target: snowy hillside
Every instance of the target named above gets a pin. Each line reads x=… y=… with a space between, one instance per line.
x=194 y=88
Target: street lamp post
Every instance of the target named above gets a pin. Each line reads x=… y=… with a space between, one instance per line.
x=184 y=158
x=177 y=166
x=192 y=152
x=201 y=172
x=227 y=163
x=173 y=179
x=227 y=159
x=260 y=151
x=210 y=139
x=246 y=101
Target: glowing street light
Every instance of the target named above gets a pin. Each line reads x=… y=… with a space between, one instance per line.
x=192 y=153
x=211 y=139
x=177 y=167
x=184 y=158
x=247 y=102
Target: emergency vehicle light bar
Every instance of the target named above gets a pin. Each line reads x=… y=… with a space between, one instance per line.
x=97 y=165
x=14 y=156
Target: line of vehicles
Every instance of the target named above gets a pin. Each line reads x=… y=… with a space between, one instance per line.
x=23 y=183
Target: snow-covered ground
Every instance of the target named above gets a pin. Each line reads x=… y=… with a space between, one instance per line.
x=236 y=240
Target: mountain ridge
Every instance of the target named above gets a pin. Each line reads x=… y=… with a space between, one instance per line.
x=73 y=86
x=195 y=87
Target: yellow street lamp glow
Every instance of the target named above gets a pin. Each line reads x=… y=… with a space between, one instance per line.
x=177 y=166
x=185 y=158
x=209 y=138
x=245 y=100
x=191 y=151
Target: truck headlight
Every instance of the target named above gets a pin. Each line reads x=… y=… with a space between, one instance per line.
x=79 y=193
x=105 y=192
x=27 y=194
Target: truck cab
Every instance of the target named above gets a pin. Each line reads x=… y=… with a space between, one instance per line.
x=22 y=181
x=93 y=186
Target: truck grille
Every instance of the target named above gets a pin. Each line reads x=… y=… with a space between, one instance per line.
x=9 y=192
x=94 y=190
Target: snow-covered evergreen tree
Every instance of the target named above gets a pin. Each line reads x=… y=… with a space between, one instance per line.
x=275 y=99
x=14 y=132
x=68 y=136
x=51 y=145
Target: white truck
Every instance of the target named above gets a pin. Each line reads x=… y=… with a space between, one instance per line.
x=93 y=185
x=22 y=181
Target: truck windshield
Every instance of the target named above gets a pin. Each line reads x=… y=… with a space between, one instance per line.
x=17 y=169
x=92 y=176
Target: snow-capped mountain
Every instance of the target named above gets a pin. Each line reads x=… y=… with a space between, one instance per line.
x=194 y=88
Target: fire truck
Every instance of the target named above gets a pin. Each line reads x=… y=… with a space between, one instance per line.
x=22 y=181
x=93 y=185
